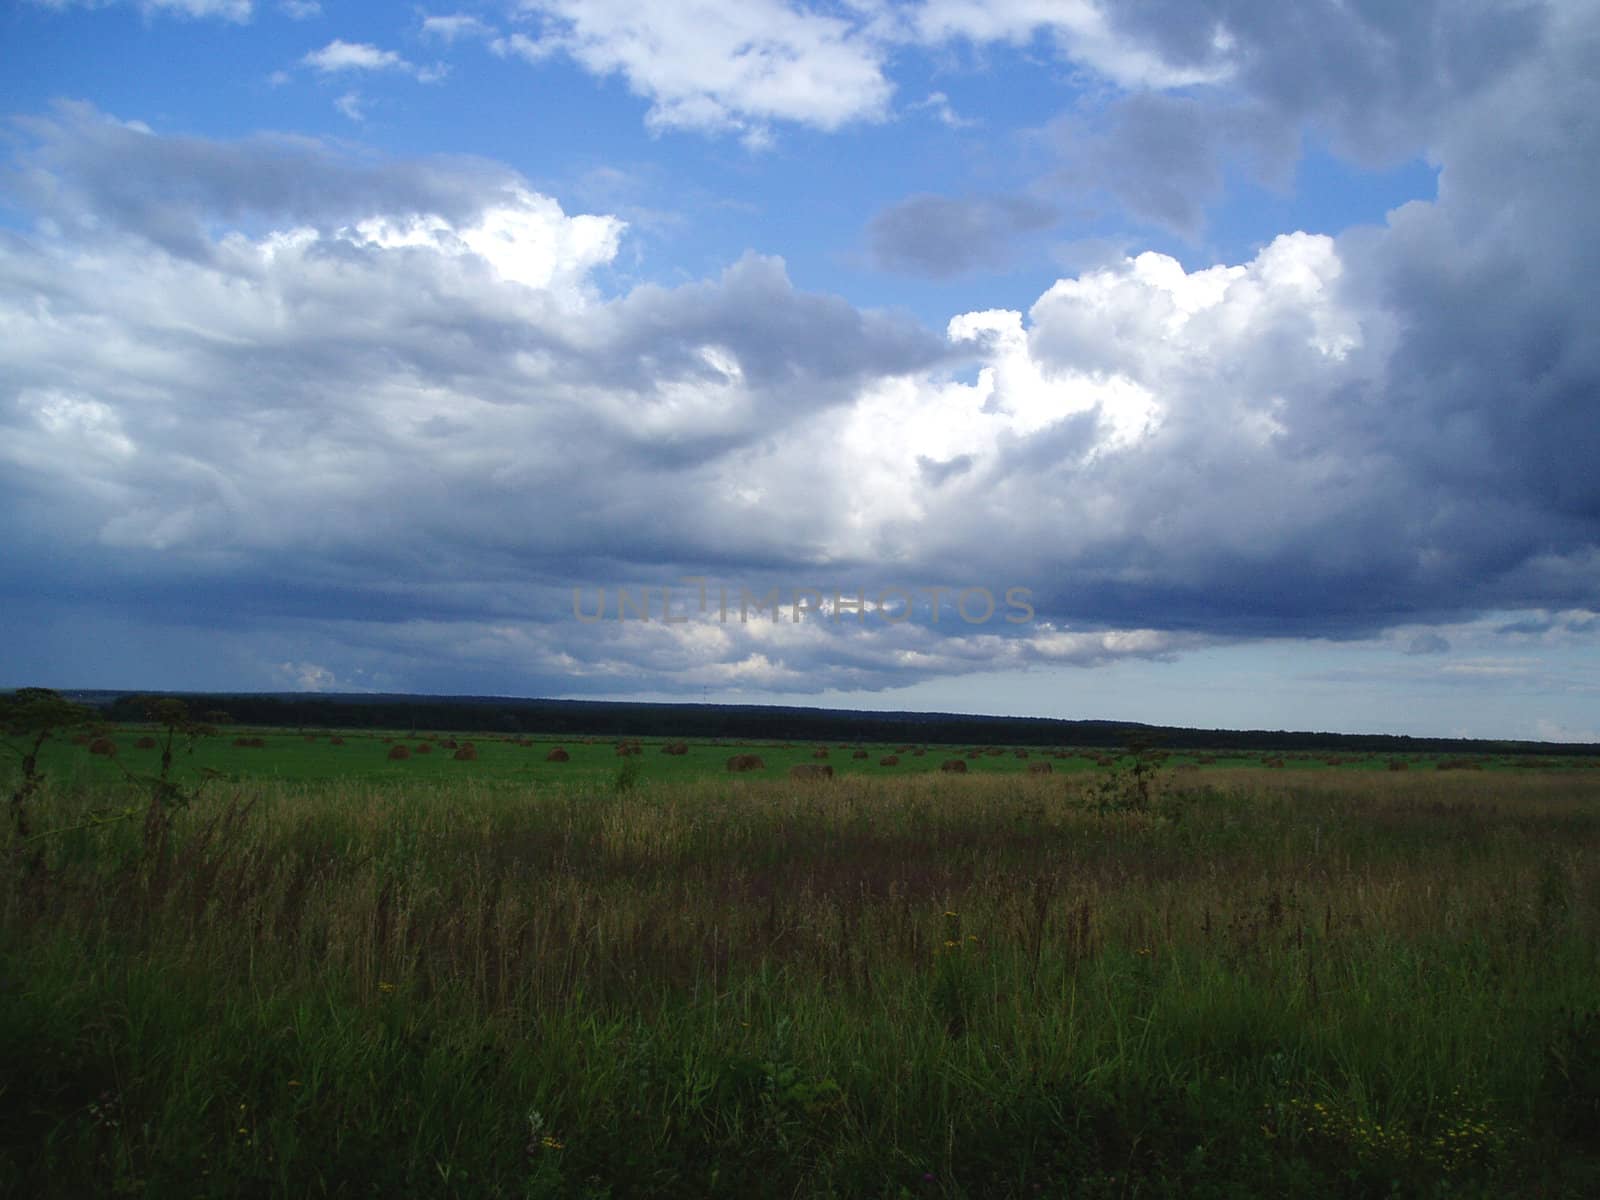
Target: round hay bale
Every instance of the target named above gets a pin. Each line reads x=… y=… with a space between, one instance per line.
x=746 y=762
x=423 y=748
x=1040 y=768
x=918 y=752
x=889 y=760
x=820 y=753
x=81 y=739
x=859 y=754
x=557 y=755
x=675 y=748
x=145 y=743
x=1020 y=753
x=450 y=744
x=956 y=766
x=467 y=753
x=811 y=771
x=398 y=752
x=336 y=741
x=104 y=746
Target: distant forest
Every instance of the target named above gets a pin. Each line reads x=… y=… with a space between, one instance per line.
x=566 y=718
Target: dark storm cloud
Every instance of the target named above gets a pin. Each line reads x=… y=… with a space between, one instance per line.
x=940 y=237
x=1380 y=83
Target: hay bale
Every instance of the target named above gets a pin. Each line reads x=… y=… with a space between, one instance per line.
x=557 y=755
x=423 y=748
x=1399 y=764
x=467 y=753
x=336 y=741
x=1020 y=753
x=821 y=752
x=398 y=752
x=145 y=743
x=1040 y=768
x=956 y=766
x=859 y=754
x=746 y=762
x=889 y=760
x=250 y=743
x=450 y=744
x=918 y=752
x=675 y=748
x=81 y=739
x=811 y=771
x=104 y=746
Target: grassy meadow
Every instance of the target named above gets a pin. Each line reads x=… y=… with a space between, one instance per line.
x=335 y=974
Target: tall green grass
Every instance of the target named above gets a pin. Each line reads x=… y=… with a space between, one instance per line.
x=1307 y=983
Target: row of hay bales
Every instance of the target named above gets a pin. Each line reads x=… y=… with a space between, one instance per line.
x=462 y=751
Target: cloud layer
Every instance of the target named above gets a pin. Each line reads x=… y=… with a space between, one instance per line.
x=395 y=409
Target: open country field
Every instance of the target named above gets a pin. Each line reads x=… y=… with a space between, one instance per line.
x=434 y=977
x=240 y=753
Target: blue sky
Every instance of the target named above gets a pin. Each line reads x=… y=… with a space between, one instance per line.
x=343 y=342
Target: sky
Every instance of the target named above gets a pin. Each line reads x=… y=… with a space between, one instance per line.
x=1221 y=363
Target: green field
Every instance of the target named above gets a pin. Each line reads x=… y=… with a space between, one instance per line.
x=333 y=974
x=363 y=755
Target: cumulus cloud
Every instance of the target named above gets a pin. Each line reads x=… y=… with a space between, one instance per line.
x=339 y=55
x=720 y=65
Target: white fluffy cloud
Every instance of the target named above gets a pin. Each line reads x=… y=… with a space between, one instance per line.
x=715 y=65
x=339 y=55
